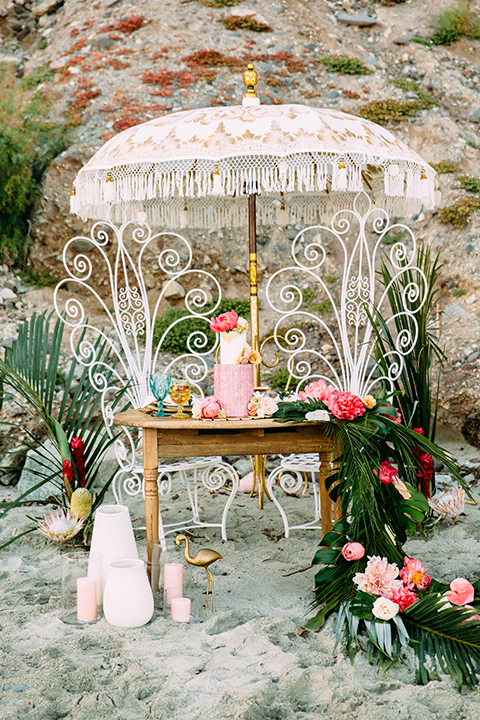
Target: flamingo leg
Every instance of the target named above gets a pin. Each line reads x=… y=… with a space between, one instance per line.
x=208 y=584
x=213 y=592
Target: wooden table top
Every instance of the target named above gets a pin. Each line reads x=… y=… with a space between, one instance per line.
x=135 y=418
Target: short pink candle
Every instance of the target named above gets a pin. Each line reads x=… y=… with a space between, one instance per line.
x=86 y=599
x=181 y=609
x=172 y=575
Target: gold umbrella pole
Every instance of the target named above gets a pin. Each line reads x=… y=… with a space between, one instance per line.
x=252 y=244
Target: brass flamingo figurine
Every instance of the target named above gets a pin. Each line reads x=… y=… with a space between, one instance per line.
x=202 y=558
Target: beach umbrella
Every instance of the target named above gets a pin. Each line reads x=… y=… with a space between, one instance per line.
x=237 y=165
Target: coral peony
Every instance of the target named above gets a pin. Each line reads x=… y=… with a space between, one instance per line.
x=224 y=322
x=384 y=608
x=414 y=573
x=345 y=406
x=317 y=390
x=379 y=578
x=369 y=402
x=461 y=592
x=404 y=597
x=387 y=472
x=353 y=551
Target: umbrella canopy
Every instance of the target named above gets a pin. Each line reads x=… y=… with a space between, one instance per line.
x=196 y=168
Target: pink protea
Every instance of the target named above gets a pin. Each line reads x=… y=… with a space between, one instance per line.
x=404 y=597
x=379 y=578
x=345 y=405
x=60 y=527
x=318 y=390
x=414 y=573
x=449 y=504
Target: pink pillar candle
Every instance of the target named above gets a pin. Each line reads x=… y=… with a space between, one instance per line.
x=170 y=593
x=173 y=575
x=181 y=609
x=86 y=599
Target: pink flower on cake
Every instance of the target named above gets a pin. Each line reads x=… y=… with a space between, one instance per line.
x=379 y=578
x=353 y=551
x=255 y=357
x=209 y=408
x=414 y=573
x=345 y=405
x=317 y=390
x=224 y=322
x=387 y=473
x=252 y=408
x=243 y=360
x=461 y=592
x=404 y=597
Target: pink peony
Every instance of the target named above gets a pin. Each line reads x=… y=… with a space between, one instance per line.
x=387 y=472
x=353 y=551
x=414 y=573
x=317 y=390
x=345 y=406
x=224 y=322
x=404 y=597
x=210 y=408
x=461 y=592
x=379 y=578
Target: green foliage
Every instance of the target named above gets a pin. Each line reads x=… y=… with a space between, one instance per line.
x=42 y=74
x=459 y=212
x=30 y=369
x=456 y=23
x=384 y=111
x=421 y=41
x=414 y=386
x=390 y=238
x=472 y=144
x=175 y=340
x=38 y=278
x=28 y=143
x=42 y=44
x=245 y=22
x=310 y=302
x=458 y=292
x=471 y=184
x=412 y=86
x=344 y=65
x=217 y=3
x=445 y=166
x=279 y=379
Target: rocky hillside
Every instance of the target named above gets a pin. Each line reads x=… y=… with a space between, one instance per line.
x=107 y=65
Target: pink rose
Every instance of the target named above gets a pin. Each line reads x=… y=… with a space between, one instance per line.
x=387 y=472
x=268 y=405
x=414 y=573
x=461 y=592
x=243 y=360
x=252 y=408
x=353 y=551
x=317 y=390
x=224 y=322
x=210 y=408
x=345 y=406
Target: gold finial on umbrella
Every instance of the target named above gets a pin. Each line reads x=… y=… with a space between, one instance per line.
x=250 y=78
x=202 y=558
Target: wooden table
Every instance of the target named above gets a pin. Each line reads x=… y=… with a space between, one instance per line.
x=174 y=438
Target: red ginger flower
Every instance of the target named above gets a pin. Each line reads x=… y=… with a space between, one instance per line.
x=77 y=446
x=345 y=405
x=67 y=475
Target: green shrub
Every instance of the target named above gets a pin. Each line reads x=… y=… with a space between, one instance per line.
x=458 y=292
x=28 y=143
x=471 y=144
x=445 y=166
x=42 y=44
x=245 y=22
x=421 y=41
x=344 y=65
x=412 y=86
x=384 y=111
x=176 y=340
x=279 y=379
x=471 y=184
x=458 y=213
x=454 y=24
x=42 y=74
x=218 y=3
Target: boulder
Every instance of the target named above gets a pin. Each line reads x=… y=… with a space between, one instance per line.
x=46 y=7
x=39 y=464
x=359 y=19
x=174 y=291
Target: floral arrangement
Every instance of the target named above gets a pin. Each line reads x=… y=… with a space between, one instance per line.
x=229 y=322
x=249 y=356
x=208 y=408
x=262 y=406
x=232 y=330
x=386 y=603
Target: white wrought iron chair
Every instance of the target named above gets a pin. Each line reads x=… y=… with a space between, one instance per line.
x=122 y=257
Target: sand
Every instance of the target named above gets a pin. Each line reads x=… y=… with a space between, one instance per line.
x=247 y=661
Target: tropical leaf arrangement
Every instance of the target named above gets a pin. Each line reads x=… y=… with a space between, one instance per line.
x=386 y=602
x=75 y=427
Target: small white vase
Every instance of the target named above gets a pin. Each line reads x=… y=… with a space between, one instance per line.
x=128 y=598
x=112 y=537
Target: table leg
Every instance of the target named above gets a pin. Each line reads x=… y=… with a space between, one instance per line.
x=325 y=502
x=150 y=469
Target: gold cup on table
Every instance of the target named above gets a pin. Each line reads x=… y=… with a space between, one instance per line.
x=180 y=394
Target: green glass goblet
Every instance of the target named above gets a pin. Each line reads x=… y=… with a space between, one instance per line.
x=160 y=385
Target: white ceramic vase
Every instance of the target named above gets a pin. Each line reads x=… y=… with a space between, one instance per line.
x=128 y=598
x=112 y=537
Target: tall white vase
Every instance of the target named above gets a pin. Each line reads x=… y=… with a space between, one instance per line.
x=112 y=537
x=128 y=597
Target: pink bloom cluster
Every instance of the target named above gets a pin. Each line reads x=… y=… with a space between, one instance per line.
x=224 y=322
x=317 y=390
x=414 y=574
x=343 y=405
x=208 y=407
